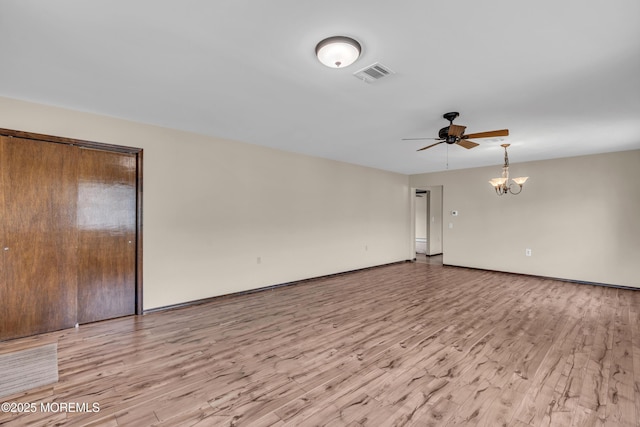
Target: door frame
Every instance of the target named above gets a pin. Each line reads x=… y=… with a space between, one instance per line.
x=138 y=153
x=414 y=221
x=430 y=227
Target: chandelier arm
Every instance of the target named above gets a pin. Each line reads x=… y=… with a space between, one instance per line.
x=515 y=193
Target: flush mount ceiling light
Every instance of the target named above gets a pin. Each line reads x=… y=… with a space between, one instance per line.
x=338 y=51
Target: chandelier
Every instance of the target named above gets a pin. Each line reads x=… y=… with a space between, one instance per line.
x=502 y=185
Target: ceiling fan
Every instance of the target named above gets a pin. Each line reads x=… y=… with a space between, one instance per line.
x=454 y=134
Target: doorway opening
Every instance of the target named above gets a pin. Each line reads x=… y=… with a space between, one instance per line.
x=427 y=224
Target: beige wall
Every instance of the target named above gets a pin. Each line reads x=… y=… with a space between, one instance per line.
x=212 y=207
x=579 y=216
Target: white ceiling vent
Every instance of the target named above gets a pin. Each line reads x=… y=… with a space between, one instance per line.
x=373 y=72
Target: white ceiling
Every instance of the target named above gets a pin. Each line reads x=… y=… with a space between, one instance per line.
x=562 y=76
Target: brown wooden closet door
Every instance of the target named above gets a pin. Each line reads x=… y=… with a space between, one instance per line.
x=107 y=235
x=3 y=244
x=38 y=206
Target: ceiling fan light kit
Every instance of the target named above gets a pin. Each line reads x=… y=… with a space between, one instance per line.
x=338 y=51
x=502 y=185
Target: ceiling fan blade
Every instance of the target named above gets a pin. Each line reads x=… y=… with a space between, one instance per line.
x=416 y=139
x=429 y=146
x=456 y=130
x=467 y=144
x=489 y=134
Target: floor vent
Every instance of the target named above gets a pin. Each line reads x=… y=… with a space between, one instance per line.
x=373 y=72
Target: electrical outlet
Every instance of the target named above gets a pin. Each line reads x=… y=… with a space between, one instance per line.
x=527 y=252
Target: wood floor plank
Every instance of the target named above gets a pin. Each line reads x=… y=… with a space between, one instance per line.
x=634 y=312
x=540 y=395
x=597 y=338
x=585 y=417
x=621 y=408
x=436 y=414
x=401 y=345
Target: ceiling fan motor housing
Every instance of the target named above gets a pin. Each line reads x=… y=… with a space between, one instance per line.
x=444 y=134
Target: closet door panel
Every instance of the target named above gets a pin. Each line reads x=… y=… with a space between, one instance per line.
x=39 y=189
x=3 y=243
x=107 y=235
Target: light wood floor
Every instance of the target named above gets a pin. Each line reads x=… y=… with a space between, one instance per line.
x=432 y=259
x=406 y=344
